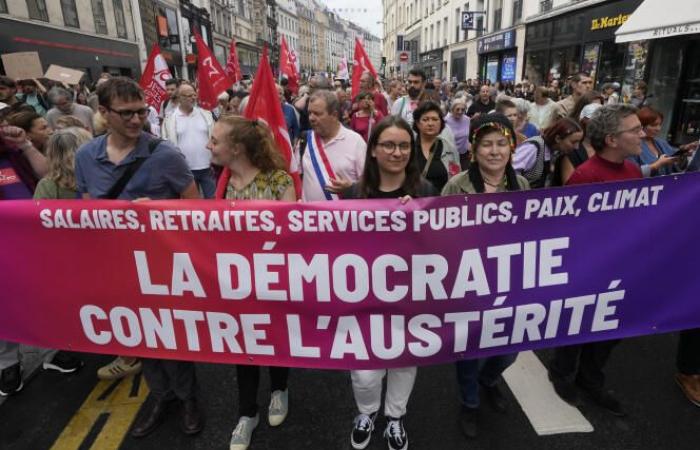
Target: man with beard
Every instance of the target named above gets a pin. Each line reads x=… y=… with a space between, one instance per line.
x=404 y=106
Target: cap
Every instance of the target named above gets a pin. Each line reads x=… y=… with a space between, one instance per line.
x=588 y=110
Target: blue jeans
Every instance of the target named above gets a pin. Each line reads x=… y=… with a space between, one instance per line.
x=485 y=371
x=205 y=182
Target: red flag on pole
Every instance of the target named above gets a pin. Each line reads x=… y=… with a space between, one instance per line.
x=233 y=67
x=153 y=79
x=211 y=78
x=264 y=104
x=360 y=64
x=288 y=67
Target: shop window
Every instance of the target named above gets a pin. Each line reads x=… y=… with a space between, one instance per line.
x=564 y=62
x=98 y=16
x=37 y=10
x=611 y=66
x=535 y=66
x=664 y=79
x=119 y=18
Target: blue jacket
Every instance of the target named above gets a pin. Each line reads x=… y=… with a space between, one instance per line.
x=647 y=157
x=292 y=123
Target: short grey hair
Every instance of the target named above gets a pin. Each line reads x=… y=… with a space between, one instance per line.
x=523 y=106
x=57 y=92
x=331 y=100
x=605 y=122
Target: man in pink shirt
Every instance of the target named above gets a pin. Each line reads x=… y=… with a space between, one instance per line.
x=334 y=156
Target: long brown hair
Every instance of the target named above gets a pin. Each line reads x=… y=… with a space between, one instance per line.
x=60 y=153
x=257 y=140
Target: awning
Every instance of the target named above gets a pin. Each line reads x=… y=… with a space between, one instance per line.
x=661 y=18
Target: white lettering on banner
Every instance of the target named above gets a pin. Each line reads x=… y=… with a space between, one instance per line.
x=420 y=336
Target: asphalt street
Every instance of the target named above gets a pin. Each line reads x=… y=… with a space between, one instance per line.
x=322 y=408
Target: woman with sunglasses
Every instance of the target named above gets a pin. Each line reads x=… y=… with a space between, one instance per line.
x=390 y=171
x=458 y=122
x=493 y=141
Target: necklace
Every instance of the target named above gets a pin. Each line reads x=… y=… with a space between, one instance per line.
x=490 y=183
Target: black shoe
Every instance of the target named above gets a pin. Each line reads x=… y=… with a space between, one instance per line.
x=151 y=416
x=11 y=380
x=395 y=434
x=495 y=396
x=468 y=422
x=362 y=431
x=192 y=420
x=565 y=389
x=605 y=400
x=63 y=362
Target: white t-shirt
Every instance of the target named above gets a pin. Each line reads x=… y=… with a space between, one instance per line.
x=192 y=138
x=346 y=154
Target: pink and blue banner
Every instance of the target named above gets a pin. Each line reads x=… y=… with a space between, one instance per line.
x=353 y=284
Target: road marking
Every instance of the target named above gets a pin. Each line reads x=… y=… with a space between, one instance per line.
x=105 y=417
x=546 y=411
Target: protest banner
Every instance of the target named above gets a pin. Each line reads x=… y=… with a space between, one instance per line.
x=22 y=65
x=63 y=74
x=352 y=284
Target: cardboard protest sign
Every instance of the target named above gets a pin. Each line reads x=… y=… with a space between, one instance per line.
x=22 y=65
x=64 y=74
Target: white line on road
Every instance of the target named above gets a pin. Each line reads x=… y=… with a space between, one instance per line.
x=546 y=411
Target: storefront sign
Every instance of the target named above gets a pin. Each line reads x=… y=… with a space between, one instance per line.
x=508 y=68
x=500 y=41
x=602 y=23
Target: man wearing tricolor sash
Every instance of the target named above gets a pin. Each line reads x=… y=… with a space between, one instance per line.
x=334 y=155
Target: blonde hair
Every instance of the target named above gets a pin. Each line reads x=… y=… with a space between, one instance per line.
x=60 y=153
x=257 y=140
x=67 y=122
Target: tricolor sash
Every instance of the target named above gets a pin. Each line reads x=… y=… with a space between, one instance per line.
x=321 y=164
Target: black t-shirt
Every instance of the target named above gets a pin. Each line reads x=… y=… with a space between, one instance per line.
x=437 y=173
x=478 y=107
x=424 y=190
x=578 y=156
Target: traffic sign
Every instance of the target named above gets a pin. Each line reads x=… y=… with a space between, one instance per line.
x=468 y=19
x=404 y=57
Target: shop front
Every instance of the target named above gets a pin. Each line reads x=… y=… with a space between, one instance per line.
x=673 y=75
x=498 y=56
x=431 y=63
x=583 y=40
x=458 y=65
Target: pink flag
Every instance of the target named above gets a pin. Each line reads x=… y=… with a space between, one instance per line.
x=233 y=67
x=211 y=78
x=288 y=67
x=360 y=64
x=153 y=79
x=264 y=104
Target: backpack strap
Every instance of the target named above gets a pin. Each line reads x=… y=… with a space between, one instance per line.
x=116 y=190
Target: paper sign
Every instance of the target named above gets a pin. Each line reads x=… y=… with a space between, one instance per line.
x=22 y=65
x=64 y=74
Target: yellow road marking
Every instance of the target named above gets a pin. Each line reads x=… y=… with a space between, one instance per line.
x=118 y=404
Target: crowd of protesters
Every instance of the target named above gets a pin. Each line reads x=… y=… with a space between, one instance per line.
x=400 y=139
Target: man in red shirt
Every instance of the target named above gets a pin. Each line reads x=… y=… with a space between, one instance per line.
x=615 y=133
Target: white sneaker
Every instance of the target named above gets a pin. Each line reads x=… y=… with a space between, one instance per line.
x=279 y=406
x=240 y=438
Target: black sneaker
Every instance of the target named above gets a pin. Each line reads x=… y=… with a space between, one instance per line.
x=564 y=389
x=605 y=400
x=11 y=380
x=495 y=396
x=63 y=362
x=468 y=422
x=395 y=434
x=362 y=431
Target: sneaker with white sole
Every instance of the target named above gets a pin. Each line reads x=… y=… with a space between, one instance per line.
x=119 y=368
x=63 y=362
x=241 y=436
x=362 y=431
x=279 y=407
x=395 y=434
x=11 y=380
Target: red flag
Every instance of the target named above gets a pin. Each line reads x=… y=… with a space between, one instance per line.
x=233 y=67
x=211 y=78
x=288 y=67
x=264 y=104
x=153 y=79
x=360 y=64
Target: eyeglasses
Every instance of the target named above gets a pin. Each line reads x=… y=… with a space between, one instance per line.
x=636 y=130
x=127 y=114
x=389 y=147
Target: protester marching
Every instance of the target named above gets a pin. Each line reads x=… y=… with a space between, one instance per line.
x=409 y=160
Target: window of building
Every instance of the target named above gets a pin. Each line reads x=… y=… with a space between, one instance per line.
x=98 y=16
x=517 y=11
x=37 y=10
x=545 y=5
x=458 y=15
x=497 y=15
x=3 y=6
x=437 y=34
x=119 y=18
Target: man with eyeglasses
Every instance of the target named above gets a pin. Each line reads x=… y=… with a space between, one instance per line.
x=129 y=164
x=63 y=105
x=615 y=134
x=189 y=128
